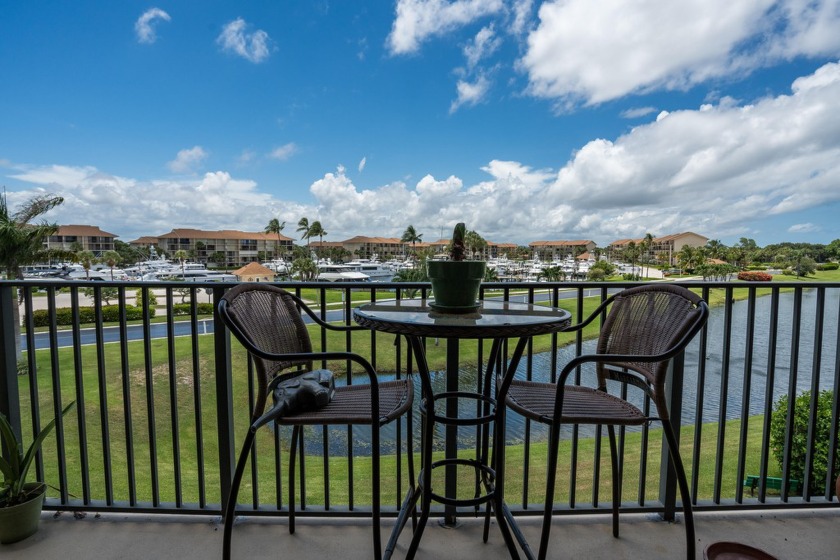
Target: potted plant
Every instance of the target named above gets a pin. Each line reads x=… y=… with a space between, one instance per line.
x=455 y=282
x=20 y=501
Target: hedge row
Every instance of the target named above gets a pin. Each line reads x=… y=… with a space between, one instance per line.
x=755 y=276
x=828 y=266
x=110 y=314
x=186 y=309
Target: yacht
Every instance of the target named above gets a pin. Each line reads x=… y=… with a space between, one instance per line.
x=188 y=276
x=328 y=272
x=373 y=269
x=280 y=266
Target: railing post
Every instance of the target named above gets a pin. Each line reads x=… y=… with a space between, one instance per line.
x=224 y=398
x=451 y=439
x=9 y=396
x=667 y=473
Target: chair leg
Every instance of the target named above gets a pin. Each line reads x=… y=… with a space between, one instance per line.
x=376 y=494
x=682 y=482
x=292 y=457
x=230 y=506
x=553 y=450
x=412 y=478
x=616 y=480
x=426 y=435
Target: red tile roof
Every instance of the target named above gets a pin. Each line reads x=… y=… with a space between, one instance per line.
x=83 y=231
x=254 y=269
x=221 y=234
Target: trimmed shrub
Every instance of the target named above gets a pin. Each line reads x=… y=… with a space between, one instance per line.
x=799 y=441
x=755 y=276
x=828 y=266
x=110 y=314
x=185 y=309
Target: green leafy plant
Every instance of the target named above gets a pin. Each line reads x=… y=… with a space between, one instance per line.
x=458 y=249
x=16 y=462
x=799 y=440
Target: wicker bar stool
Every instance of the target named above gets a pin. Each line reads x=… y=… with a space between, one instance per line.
x=645 y=327
x=267 y=321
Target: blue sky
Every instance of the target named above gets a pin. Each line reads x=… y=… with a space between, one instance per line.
x=528 y=120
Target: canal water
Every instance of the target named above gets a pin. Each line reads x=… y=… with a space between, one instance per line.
x=720 y=383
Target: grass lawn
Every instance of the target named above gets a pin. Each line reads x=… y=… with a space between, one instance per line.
x=123 y=392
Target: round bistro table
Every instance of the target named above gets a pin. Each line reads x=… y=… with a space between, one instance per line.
x=416 y=319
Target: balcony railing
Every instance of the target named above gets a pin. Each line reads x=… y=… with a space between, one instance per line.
x=163 y=401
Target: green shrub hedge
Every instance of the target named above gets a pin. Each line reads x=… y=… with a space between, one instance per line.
x=799 y=441
x=186 y=309
x=828 y=266
x=110 y=314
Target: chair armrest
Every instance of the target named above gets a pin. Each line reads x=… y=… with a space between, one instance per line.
x=312 y=356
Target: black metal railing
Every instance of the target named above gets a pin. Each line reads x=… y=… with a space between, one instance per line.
x=163 y=397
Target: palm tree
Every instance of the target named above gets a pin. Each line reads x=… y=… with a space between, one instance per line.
x=22 y=243
x=317 y=229
x=305 y=230
x=111 y=258
x=181 y=256
x=686 y=257
x=87 y=260
x=475 y=243
x=410 y=235
x=304 y=268
x=644 y=247
x=631 y=253
x=715 y=248
x=275 y=226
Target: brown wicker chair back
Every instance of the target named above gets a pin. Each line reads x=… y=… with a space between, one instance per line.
x=644 y=328
x=657 y=319
x=268 y=321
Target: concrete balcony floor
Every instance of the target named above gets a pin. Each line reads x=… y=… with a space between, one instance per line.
x=790 y=534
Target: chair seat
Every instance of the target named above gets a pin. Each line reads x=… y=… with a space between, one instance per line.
x=351 y=404
x=581 y=405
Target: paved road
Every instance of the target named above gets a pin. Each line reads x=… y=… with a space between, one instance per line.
x=205 y=326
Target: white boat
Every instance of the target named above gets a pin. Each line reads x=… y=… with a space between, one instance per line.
x=280 y=266
x=188 y=276
x=374 y=270
x=328 y=272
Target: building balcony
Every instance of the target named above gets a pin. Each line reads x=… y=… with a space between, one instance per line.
x=145 y=459
x=787 y=534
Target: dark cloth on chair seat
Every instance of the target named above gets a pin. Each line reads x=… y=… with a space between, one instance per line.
x=351 y=404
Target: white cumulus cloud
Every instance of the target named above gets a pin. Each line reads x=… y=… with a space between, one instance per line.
x=485 y=43
x=470 y=93
x=188 y=160
x=580 y=53
x=252 y=46
x=145 y=25
x=416 y=20
x=718 y=170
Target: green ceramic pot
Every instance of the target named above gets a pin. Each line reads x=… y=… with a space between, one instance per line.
x=455 y=284
x=20 y=521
